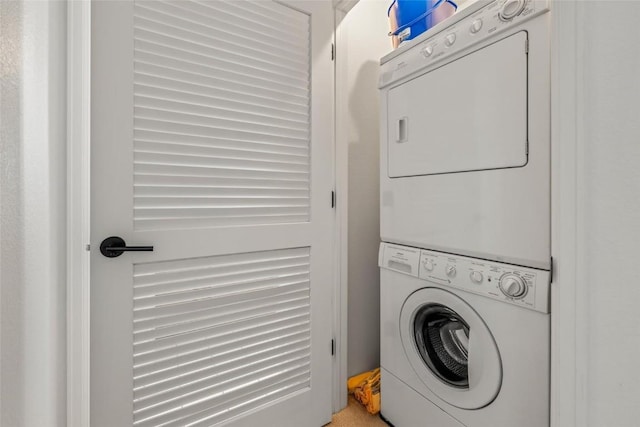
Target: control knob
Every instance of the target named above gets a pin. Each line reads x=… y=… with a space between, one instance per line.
x=451 y=271
x=428 y=265
x=427 y=51
x=511 y=9
x=476 y=277
x=513 y=286
x=475 y=26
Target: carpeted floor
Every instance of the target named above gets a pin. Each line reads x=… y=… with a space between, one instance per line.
x=354 y=415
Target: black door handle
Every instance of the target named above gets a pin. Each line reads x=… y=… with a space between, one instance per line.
x=114 y=246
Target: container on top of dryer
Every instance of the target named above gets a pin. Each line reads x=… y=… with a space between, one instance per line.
x=465 y=131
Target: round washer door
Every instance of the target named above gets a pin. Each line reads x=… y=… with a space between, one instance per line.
x=450 y=348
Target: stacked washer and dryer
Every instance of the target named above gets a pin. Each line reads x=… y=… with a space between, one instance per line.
x=465 y=221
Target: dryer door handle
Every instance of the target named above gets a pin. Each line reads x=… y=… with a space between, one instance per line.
x=402 y=131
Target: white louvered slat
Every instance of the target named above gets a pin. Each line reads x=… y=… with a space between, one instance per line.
x=194 y=223
x=238 y=123
x=199 y=16
x=210 y=333
x=220 y=172
x=175 y=191
x=151 y=76
x=210 y=162
x=242 y=398
x=230 y=12
x=153 y=327
x=201 y=71
x=212 y=183
x=188 y=28
x=209 y=324
x=145 y=135
x=181 y=149
x=216 y=377
x=249 y=261
x=158 y=50
x=171 y=101
x=218 y=202
x=175 y=361
x=161 y=357
x=225 y=277
x=197 y=361
x=176 y=305
x=220 y=214
x=221 y=114
x=198 y=48
x=209 y=391
x=216 y=336
x=256 y=134
x=279 y=386
x=232 y=150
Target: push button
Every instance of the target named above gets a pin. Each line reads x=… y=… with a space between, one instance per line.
x=475 y=26
x=450 y=39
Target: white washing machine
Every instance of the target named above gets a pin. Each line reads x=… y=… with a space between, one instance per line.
x=465 y=152
x=464 y=341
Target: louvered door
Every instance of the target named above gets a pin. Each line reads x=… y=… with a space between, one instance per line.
x=212 y=128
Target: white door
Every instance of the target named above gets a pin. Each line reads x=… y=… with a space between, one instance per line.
x=212 y=140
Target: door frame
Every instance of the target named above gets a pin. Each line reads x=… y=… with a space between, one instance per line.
x=341 y=314
x=78 y=210
x=78 y=231
x=569 y=295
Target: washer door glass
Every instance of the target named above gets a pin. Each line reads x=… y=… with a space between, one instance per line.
x=450 y=348
x=442 y=339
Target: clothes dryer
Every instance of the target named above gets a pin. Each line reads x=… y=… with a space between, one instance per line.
x=465 y=136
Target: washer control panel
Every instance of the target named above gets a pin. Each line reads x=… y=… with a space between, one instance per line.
x=523 y=286
x=466 y=28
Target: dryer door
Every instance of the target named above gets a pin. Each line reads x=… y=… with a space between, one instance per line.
x=450 y=348
x=468 y=115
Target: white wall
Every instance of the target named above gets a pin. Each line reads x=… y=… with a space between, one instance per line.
x=609 y=233
x=362 y=41
x=32 y=213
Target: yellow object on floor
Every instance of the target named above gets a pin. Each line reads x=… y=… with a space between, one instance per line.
x=365 y=388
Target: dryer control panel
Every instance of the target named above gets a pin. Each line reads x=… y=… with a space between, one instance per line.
x=522 y=286
x=470 y=26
